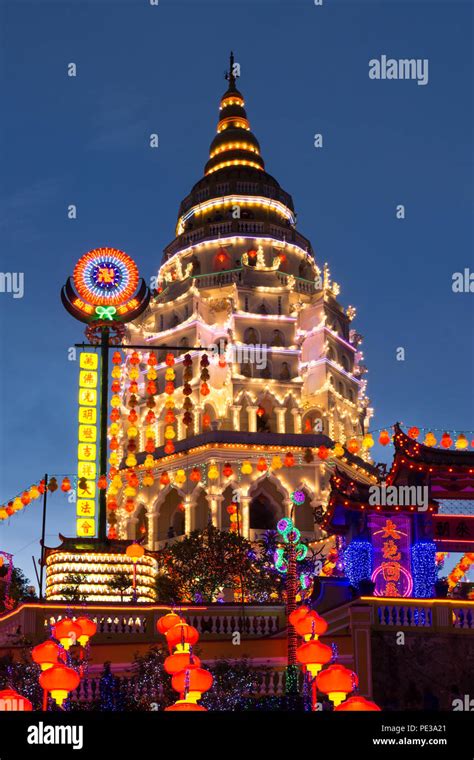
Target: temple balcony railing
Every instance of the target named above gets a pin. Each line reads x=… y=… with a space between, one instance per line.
x=237 y=227
x=137 y=623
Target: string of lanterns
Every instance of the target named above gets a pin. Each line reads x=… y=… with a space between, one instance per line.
x=33 y=493
x=460 y=570
x=336 y=681
x=189 y=679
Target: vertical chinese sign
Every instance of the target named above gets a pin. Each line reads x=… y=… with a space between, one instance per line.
x=87 y=445
x=391 y=541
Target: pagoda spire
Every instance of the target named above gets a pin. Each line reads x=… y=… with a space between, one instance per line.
x=234 y=145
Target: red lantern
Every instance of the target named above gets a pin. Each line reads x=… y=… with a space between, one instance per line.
x=46 y=654
x=313 y=655
x=169 y=387
x=195 y=475
x=232 y=509
x=177 y=662
x=311 y=625
x=11 y=701
x=323 y=452
x=289 y=459
x=102 y=482
x=262 y=464
x=337 y=682
x=169 y=361
x=194 y=680
x=25 y=498
x=182 y=636
x=414 y=432
x=59 y=680
x=66 y=631
x=168 y=621
x=384 y=438
x=205 y=391
x=260 y=411
x=446 y=441
x=169 y=447
x=116 y=358
x=360 y=704
x=206 y=420
x=353 y=445
x=170 y=417
x=298 y=614
x=66 y=485
x=114 y=415
x=252 y=253
x=134 y=359
x=227 y=470
x=164 y=479
x=88 y=628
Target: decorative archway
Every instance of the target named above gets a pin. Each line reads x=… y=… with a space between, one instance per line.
x=267 y=503
x=169 y=524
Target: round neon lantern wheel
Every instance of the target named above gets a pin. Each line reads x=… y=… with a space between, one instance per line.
x=106 y=277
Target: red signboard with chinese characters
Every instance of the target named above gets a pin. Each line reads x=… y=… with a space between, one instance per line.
x=454 y=533
x=391 y=541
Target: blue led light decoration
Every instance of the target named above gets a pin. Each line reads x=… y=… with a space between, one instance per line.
x=358 y=561
x=423 y=569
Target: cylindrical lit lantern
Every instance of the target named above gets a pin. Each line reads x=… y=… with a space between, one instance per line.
x=311 y=626
x=384 y=438
x=59 y=681
x=135 y=552
x=314 y=654
x=67 y=632
x=337 y=682
x=168 y=621
x=193 y=678
x=11 y=701
x=446 y=441
x=359 y=704
x=179 y=661
x=246 y=468
x=88 y=627
x=298 y=614
x=46 y=654
x=430 y=439
x=182 y=636
x=352 y=445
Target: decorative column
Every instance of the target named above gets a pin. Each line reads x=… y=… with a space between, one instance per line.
x=252 y=414
x=151 y=518
x=296 y=420
x=197 y=414
x=212 y=500
x=181 y=429
x=245 y=512
x=236 y=416
x=280 y=412
x=187 y=514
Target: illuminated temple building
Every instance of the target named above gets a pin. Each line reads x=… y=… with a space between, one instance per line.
x=239 y=273
x=270 y=412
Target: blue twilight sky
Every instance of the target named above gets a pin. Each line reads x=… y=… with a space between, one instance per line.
x=143 y=69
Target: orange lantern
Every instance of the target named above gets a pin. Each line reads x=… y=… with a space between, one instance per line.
x=179 y=661
x=195 y=475
x=134 y=552
x=88 y=628
x=169 y=447
x=66 y=631
x=25 y=498
x=46 y=654
x=384 y=438
x=59 y=681
x=164 y=479
x=262 y=464
x=182 y=636
x=310 y=626
x=360 y=704
x=337 y=682
x=168 y=621
x=205 y=390
x=102 y=482
x=66 y=485
x=313 y=655
x=446 y=441
x=260 y=411
x=194 y=680
x=11 y=701
x=323 y=452
x=352 y=445
x=414 y=432
x=289 y=459
x=298 y=614
x=182 y=706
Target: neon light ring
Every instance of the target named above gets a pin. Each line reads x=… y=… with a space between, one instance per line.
x=106 y=277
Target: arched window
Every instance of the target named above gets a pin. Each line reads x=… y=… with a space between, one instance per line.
x=141 y=526
x=250 y=336
x=304 y=519
x=330 y=354
x=345 y=362
x=202 y=513
x=340 y=388
x=277 y=338
x=263 y=514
